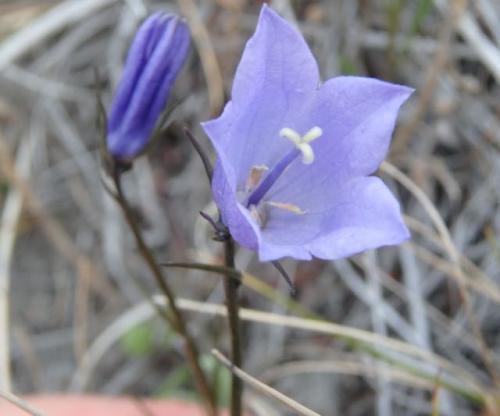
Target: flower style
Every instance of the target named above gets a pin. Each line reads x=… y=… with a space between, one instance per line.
x=295 y=157
x=156 y=55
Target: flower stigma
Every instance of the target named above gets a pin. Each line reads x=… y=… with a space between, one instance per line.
x=302 y=143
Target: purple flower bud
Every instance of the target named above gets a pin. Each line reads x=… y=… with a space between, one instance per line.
x=156 y=55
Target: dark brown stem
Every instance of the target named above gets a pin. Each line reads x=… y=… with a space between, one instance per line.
x=231 y=290
x=174 y=316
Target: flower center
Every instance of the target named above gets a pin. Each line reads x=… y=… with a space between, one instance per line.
x=302 y=147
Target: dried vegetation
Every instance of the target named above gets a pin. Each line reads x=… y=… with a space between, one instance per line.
x=426 y=314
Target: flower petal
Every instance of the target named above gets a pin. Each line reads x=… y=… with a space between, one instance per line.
x=357 y=116
x=372 y=219
x=362 y=215
x=275 y=76
x=234 y=215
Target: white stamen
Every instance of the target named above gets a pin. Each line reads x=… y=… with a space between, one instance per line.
x=287 y=207
x=302 y=143
x=255 y=176
x=257 y=215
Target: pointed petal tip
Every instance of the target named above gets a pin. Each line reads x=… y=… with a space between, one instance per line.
x=407 y=91
x=270 y=16
x=404 y=92
x=405 y=234
x=266 y=10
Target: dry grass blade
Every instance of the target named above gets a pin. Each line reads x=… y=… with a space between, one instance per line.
x=88 y=274
x=432 y=76
x=22 y=404
x=402 y=312
x=105 y=341
x=477 y=280
x=315 y=323
x=53 y=229
x=336 y=330
x=11 y=214
x=426 y=203
x=145 y=311
x=207 y=55
x=298 y=408
x=471 y=388
x=455 y=259
x=344 y=366
x=46 y=25
x=486 y=50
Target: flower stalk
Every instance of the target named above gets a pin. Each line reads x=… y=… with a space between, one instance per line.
x=174 y=317
x=156 y=56
x=231 y=286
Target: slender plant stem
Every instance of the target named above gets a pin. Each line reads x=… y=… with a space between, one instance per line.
x=231 y=290
x=175 y=318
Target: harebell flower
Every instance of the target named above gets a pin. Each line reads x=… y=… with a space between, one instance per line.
x=295 y=157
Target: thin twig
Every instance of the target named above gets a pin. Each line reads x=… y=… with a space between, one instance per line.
x=264 y=388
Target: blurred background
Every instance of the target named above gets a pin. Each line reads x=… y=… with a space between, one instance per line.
x=73 y=315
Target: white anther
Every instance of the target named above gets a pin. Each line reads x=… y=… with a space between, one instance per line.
x=302 y=142
x=258 y=215
x=255 y=176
